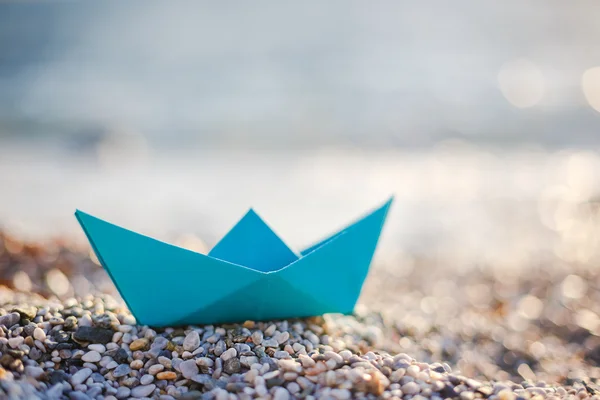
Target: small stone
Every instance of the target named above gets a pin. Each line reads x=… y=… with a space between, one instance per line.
x=191 y=341
x=97 y=347
x=16 y=341
x=232 y=366
x=138 y=344
x=188 y=369
x=39 y=334
x=146 y=379
x=230 y=353
x=123 y=392
x=9 y=320
x=121 y=356
x=143 y=391
x=121 y=370
x=257 y=337
x=506 y=394
x=270 y=343
x=79 y=396
x=281 y=394
x=34 y=372
x=167 y=375
x=70 y=323
x=91 y=356
x=155 y=369
x=80 y=376
x=283 y=337
x=25 y=312
x=411 y=388
x=57 y=376
x=35 y=354
x=164 y=361
x=280 y=354
x=270 y=330
x=93 y=335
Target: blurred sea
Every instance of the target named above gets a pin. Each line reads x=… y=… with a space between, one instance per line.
x=481 y=118
x=458 y=204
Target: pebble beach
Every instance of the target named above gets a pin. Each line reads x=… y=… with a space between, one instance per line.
x=485 y=333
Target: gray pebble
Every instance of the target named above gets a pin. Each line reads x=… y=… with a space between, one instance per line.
x=80 y=376
x=123 y=392
x=146 y=379
x=9 y=320
x=121 y=370
x=191 y=341
x=142 y=391
x=188 y=368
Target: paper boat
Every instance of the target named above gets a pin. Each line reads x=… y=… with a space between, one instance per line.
x=251 y=274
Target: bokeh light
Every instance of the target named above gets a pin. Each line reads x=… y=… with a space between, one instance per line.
x=590 y=84
x=522 y=83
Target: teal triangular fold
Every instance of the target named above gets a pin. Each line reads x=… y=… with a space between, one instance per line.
x=284 y=300
x=340 y=262
x=252 y=243
x=159 y=282
x=244 y=305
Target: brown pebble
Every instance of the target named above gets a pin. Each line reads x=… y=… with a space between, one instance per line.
x=249 y=324
x=139 y=344
x=166 y=375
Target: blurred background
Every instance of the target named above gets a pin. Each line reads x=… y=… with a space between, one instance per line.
x=481 y=118
x=172 y=119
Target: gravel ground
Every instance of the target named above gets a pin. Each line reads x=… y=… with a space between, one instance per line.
x=422 y=333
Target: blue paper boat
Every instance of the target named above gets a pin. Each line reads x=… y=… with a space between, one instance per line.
x=251 y=274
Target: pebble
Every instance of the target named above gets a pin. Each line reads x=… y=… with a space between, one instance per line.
x=97 y=347
x=281 y=394
x=39 y=334
x=333 y=357
x=80 y=376
x=167 y=375
x=191 y=341
x=9 y=320
x=93 y=335
x=230 y=353
x=142 y=391
x=121 y=370
x=123 y=392
x=91 y=356
x=34 y=372
x=411 y=388
x=138 y=344
x=188 y=368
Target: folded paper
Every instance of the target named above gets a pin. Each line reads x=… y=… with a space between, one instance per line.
x=251 y=274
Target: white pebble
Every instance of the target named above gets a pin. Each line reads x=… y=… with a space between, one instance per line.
x=80 y=376
x=155 y=369
x=97 y=347
x=16 y=341
x=281 y=394
x=229 y=354
x=92 y=356
x=411 y=388
x=39 y=334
